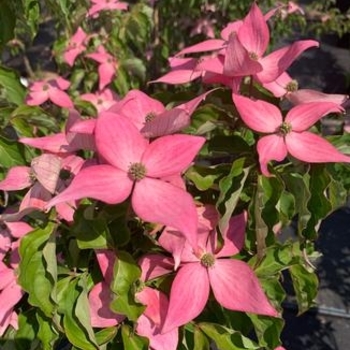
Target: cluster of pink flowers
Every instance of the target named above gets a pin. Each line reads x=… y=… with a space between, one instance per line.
x=240 y=53
x=140 y=155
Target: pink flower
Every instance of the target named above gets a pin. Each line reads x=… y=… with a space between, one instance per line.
x=285 y=86
x=151 y=117
x=247 y=42
x=289 y=135
x=183 y=70
x=10 y=294
x=150 y=322
x=76 y=46
x=240 y=52
x=139 y=168
x=106 y=5
x=232 y=281
x=102 y=100
x=52 y=89
x=107 y=68
x=10 y=291
x=43 y=178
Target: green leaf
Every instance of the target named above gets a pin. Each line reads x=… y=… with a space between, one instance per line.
x=298 y=185
x=134 y=67
x=27 y=330
x=276 y=259
x=226 y=339
x=106 y=335
x=126 y=273
x=7 y=22
x=32 y=15
x=201 y=342
x=25 y=118
x=268 y=330
x=10 y=86
x=131 y=341
x=91 y=232
x=231 y=187
x=35 y=272
x=46 y=334
x=305 y=284
x=76 y=320
x=203 y=177
x=11 y=153
x=318 y=205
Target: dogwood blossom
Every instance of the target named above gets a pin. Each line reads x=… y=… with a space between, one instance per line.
x=140 y=168
x=289 y=135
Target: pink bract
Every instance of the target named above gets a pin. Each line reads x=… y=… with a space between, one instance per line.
x=289 y=135
x=137 y=167
x=107 y=66
x=76 y=45
x=106 y=5
x=233 y=282
x=51 y=89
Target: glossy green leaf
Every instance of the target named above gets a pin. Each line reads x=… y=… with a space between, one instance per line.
x=126 y=273
x=276 y=259
x=318 y=205
x=35 y=272
x=7 y=22
x=268 y=330
x=305 y=284
x=10 y=86
x=298 y=185
x=134 y=67
x=231 y=187
x=11 y=153
x=25 y=337
x=25 y=118
x=46 y=333
x=106 y=335
x=91 y=232
x=132 y=341
x=203 y=177
x=226 y=339
x=32 y=15
x=201 y=341
x=76 y=320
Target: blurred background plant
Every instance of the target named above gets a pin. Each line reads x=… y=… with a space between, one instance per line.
x=148 y=34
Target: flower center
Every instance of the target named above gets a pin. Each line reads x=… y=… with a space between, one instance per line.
x=65 y=174
x=285 y=128
x=149 y=117
x=137 y=171
x=292 y=86
x=46 y=87
x=253 y=56
x=208 y=260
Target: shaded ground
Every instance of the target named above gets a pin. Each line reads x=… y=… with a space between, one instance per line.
x=328 y=327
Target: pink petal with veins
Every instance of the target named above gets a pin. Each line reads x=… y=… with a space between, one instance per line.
x=312 y=148
x=118 y=140
x=188 y=297
x=17 y=178
x=171 y=154
x=160 y=202
x=236 y=287
x=258 y=115
x=303 y=116
x=254 y=33
x=271 y=147
x=101 y=182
